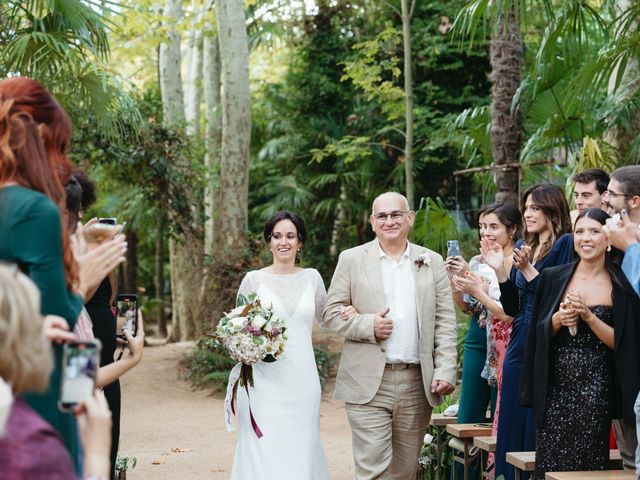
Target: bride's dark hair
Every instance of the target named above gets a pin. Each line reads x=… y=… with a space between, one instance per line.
x=285 y=215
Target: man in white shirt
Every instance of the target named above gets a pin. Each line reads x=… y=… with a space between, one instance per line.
x=399 y=354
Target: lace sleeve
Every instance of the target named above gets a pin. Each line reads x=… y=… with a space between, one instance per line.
x=321 y=297
x=247 y=285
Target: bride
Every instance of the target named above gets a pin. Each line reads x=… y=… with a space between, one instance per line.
x=285 y=400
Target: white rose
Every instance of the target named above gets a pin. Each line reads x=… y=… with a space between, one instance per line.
x=427 y=439
x=237 y=322
x=259 y=321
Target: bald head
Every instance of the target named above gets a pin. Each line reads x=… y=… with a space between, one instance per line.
x=389 y=196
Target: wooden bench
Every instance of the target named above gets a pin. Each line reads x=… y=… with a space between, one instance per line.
x=438 y=426
x=488 y=445
x=526 y=461
x=466 y=432
x=602 y=475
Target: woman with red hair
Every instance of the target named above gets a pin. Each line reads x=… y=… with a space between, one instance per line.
x=34 y=135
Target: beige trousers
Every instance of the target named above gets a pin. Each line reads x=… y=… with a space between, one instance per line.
x=387 y=432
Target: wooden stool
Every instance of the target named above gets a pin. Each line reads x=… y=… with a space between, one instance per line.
x=600 y=475
x=526 y=462
x=466 y=433
x=488 y=445
x=438 y=425
x=523 y=461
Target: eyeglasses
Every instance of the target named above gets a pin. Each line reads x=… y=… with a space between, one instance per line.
x=614 y=194
x=395 y=216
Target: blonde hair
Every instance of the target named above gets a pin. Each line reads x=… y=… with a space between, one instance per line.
x=26 y=359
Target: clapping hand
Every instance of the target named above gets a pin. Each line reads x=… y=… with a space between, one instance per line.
x=566 y=316
x=492 y=254
x=625 y=234
x=521 y=257
x=470 y=284
x=578 y=305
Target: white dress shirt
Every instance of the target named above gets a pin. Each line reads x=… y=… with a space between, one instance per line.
x=403 y=345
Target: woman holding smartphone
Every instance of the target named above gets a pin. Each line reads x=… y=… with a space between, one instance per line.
x=476 y=291
x=547 y=243
x=34 y=134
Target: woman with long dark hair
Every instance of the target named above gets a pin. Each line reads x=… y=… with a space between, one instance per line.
x=547 y=243
x=476 y=291
x=568 y=373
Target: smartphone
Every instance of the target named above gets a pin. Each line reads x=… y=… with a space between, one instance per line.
x=108 y=221
x=126 y=314
x=453 y=248
x=80 y=362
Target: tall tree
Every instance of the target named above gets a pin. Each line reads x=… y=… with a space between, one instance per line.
x=408 y=6
x=506 y=124
x=193 y=85
x=184 y=246
x=236 y=127
x=213 y=126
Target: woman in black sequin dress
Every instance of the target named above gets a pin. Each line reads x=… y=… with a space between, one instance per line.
x=568 y=375
x=574 y=435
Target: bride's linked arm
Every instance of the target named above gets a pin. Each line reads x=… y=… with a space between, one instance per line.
x=359 y=327
x=246 y=286
x=321 y=298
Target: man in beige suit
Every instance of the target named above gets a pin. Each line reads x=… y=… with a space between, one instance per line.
x=399 y=353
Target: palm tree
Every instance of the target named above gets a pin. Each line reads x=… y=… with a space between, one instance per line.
x=64 y=45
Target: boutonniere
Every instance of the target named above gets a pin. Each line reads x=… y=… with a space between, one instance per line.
x=423 y=259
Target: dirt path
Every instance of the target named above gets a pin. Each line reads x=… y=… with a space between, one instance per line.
x=178 y=433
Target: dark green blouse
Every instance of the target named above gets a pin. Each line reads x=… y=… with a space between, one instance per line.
x=31 y=237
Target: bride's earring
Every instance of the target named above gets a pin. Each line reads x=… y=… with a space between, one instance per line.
x=609 y=248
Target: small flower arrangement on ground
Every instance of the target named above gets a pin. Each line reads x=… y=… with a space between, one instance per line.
x=251 y=333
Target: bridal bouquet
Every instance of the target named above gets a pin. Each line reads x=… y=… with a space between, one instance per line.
x=251 y=333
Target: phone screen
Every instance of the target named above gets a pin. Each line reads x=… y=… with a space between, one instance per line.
x=127 y=314
x=453 y=248
x=108 y=221
x=79 y=367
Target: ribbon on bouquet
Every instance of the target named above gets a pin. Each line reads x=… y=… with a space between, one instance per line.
x=245 y=373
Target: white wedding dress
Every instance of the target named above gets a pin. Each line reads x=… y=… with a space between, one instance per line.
x=285 y=400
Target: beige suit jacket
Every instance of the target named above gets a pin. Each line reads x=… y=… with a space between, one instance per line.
x=357 y=281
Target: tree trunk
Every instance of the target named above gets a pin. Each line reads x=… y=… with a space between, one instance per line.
x=131 y=266
x=193 y=86
x=185 y=257
x=407 y=13
x=170 y=78
x=159 y=265
x=506 y=126
x=213 y=127
x=212 y=101
x=236 y=127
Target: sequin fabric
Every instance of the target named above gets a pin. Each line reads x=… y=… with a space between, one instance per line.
x=577 y=419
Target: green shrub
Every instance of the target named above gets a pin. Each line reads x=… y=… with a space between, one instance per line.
x=209 y=365
x=325 y=361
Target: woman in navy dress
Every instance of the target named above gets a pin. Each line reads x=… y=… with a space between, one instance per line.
x=547 y=243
